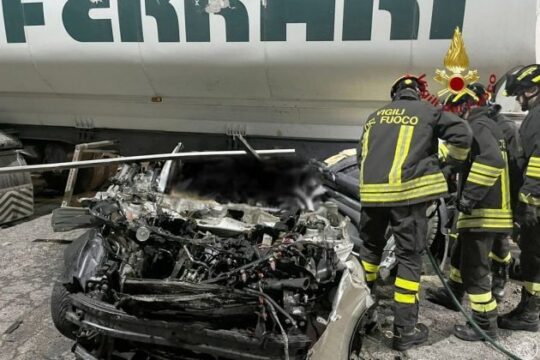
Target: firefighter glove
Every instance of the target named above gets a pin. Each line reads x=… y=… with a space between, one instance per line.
x=466 y=205
x=526 y=215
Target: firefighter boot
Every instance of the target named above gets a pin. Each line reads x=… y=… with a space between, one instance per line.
x=405 y=338
x=441 y=297
x=524 y=316
x=498 y=282
x=486 y=321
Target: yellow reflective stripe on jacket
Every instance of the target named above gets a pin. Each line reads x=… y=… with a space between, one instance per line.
x=533 y=171
x=533 y=168
x=405 y=298
x=486 y=218
x=455 y=275
x=369 y=267
x=489 y=213
x=407 y=284
x=404 y=186
x=485 y=223
x=505 y=184
x=499 y=218
x=483 y=174
x=428 y=185
x=484 y=307
x=505 y=260
x=480 y=298
x=531 y=287
x=426 y=191
x=486 y=170
x=457 y=152
x=402 y=150
x=529 y=199
x=481 y=179
x=443 y=151
x=534 y=161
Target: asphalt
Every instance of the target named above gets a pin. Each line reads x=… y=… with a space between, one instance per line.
x=31 y=258
x=442 y=344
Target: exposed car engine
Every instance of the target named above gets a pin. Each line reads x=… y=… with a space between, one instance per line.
x=263 y=267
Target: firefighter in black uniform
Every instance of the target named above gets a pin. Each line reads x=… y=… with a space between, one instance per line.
x=399 y=175
x=500 y=253
x=485 y=214
x=525 y=85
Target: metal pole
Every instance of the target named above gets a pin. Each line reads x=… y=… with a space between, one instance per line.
x=96 y=144
x=72 y=178
x=247 y=146
x=142 y=158
x=164 y=174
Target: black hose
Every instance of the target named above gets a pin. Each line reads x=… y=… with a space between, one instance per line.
x=271 y=301
x=477 y=328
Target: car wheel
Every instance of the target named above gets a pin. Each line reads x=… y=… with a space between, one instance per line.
x=60 y=304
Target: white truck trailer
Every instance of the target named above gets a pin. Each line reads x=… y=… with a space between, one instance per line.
x=295 y=72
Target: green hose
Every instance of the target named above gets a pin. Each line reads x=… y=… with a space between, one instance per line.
x=467 y=316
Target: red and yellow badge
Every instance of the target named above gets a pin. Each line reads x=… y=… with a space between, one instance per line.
x=457 y=63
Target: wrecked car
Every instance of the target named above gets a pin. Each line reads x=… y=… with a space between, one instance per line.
x=237 y=259
x=340 y=175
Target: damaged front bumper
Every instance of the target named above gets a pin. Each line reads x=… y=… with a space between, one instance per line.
x=102 y=318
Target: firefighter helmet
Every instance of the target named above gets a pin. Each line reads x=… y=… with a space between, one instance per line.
x=408 y=81
x=522 y=79
x=460 y=103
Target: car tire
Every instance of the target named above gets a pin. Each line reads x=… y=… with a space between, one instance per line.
x=60 y=304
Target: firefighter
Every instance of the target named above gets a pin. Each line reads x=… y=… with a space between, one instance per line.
x=400 y=175
x=500 y=253
x=524 y=84
x=485 y=214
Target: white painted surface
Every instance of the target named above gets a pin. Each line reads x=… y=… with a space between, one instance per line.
x=294 y=88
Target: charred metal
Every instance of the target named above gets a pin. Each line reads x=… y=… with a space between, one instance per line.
x=239 y=260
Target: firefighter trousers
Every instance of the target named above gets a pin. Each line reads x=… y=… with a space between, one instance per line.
x=470 y=267
x=529 y=243
x=409 y=227
x=500 y=252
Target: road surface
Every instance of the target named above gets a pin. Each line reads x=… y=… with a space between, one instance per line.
x=31 y=259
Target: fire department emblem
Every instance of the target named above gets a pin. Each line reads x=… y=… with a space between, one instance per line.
x=457 y=75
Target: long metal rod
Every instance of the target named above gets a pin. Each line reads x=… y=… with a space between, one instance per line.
x=142 y=158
